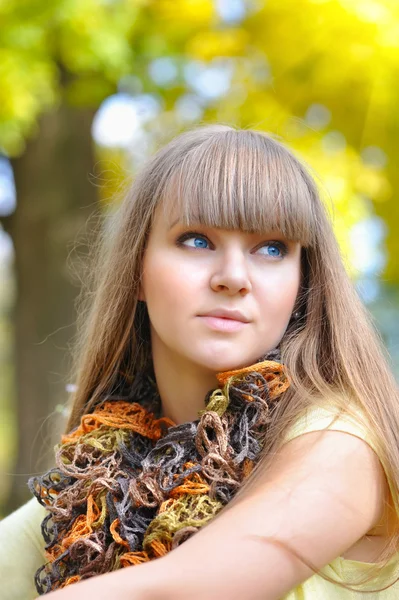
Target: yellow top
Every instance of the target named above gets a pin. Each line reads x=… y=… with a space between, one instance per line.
x=21 y=551
x=22 y=546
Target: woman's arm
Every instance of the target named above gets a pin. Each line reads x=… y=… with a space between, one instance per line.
x=324 y=491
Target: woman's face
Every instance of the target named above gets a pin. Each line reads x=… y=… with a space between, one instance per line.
x=188 y=274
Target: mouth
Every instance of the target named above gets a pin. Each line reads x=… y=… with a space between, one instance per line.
x=226 y=313
x=223 y=324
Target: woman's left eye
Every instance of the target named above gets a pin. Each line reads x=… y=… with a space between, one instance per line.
x=276 y=249
x=191 y=235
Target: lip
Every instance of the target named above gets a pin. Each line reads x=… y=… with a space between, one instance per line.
x=222 y=313
x=222 y=324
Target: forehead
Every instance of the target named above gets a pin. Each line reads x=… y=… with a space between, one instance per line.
x=240 y=181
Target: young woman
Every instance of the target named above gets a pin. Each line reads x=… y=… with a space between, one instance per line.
x=235 y=429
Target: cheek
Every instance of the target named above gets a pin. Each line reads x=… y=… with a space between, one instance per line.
x=279 y=293
x=168 y=285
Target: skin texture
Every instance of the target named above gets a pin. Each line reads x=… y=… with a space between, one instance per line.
x=214 y=268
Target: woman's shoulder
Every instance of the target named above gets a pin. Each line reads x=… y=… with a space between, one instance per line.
x=345 y=415
x=25 y=521
x=21 y=551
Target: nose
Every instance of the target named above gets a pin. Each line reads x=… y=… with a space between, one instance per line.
x=231 y=274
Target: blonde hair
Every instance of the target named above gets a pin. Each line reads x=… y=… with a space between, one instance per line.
x=247 y=180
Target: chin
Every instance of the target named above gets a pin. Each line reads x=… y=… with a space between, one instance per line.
x=218 y=364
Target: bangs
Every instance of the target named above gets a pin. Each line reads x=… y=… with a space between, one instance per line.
x=243 y=180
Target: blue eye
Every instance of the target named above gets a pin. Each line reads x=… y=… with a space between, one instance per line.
x=275 y=250
x=196 y=236
x=202 y=241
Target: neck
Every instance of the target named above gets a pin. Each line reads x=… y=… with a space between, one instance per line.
x=182 y=387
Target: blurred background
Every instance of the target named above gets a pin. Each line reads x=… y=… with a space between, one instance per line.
x=90 y=88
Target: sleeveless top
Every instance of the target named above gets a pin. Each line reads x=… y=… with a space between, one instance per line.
x=22 y=546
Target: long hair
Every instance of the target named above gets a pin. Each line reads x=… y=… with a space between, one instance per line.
x=246 y=180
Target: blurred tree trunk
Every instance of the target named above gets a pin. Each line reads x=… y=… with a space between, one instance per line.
x=54 y=200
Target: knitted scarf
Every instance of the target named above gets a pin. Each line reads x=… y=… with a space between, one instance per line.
x=129 y=487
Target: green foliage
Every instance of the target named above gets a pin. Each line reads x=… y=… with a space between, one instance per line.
x=73 y=48
x=287 y=57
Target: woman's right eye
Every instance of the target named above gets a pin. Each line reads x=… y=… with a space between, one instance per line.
x=192 y=235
